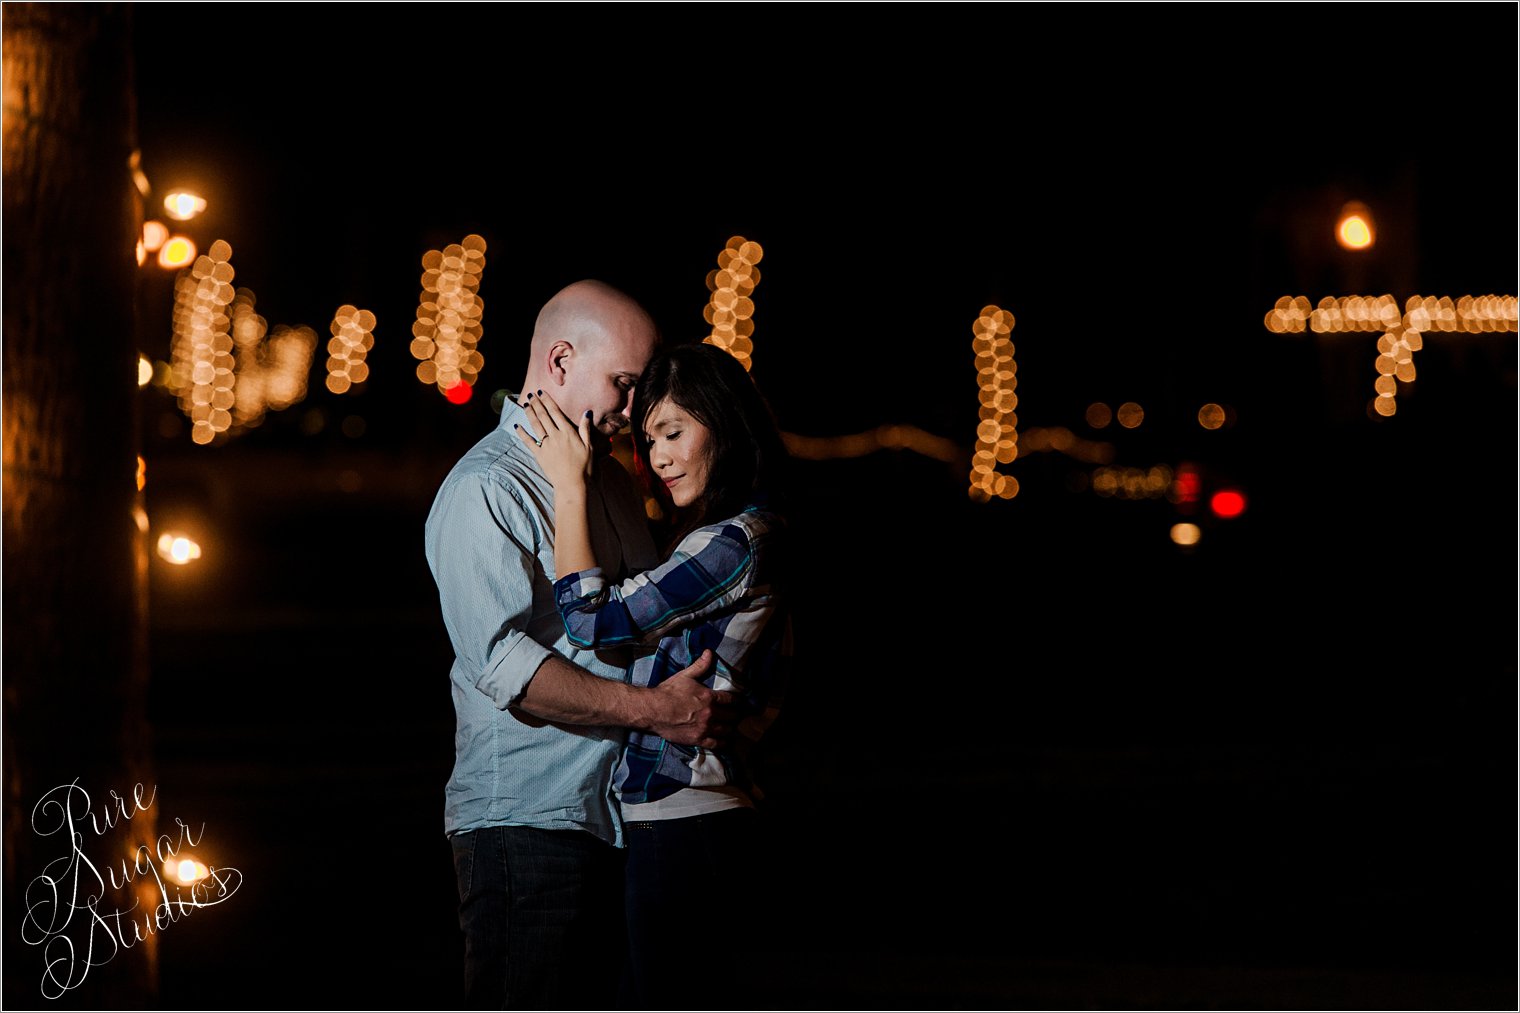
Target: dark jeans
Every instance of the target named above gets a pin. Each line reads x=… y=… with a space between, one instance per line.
x=692 y=889
x=541 y=912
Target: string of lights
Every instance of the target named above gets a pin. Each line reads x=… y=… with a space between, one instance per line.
x=729 y=310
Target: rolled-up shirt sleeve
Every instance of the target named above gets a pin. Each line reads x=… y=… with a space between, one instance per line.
x=708 y=571
x=481 y=547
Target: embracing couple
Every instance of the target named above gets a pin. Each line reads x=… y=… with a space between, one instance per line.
x=608 y=691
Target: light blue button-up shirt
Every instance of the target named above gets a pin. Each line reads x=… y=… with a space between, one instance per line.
x=490 y=545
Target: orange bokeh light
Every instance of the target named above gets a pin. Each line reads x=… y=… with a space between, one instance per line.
x=1354 y=230
x=177 y=251
x=182 y=205
x=154 y=235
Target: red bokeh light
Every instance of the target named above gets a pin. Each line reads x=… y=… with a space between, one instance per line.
x=459 y=393
x=1187 y=484
x=1227 y=503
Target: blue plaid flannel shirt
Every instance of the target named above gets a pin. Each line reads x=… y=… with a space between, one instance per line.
x=720 y=589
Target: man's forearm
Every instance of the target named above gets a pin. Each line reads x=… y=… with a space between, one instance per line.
x=680 y=709
x=569 y=695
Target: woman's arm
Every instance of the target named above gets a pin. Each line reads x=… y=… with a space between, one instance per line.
x=564 y=452
x=711 y=570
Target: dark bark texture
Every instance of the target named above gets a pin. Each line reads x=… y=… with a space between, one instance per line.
x=75 y=552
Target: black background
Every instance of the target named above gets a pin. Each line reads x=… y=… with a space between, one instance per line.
x=1036 y=755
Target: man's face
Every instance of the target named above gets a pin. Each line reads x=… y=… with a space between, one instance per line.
x=602 y=380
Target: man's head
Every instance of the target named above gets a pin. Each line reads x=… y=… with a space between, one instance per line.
x=590 y=343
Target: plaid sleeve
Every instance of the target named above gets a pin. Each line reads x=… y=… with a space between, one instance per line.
x=708 y=570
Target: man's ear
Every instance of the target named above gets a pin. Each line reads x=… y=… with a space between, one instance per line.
x=560 y=353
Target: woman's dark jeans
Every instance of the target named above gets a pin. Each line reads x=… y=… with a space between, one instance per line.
x=694 y=897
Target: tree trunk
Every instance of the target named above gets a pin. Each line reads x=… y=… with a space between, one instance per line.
x=75 y=556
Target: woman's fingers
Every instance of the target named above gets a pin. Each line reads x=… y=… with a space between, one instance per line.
x=552 y=407
x=545 y=407
x=522 y=434
x=543 y=419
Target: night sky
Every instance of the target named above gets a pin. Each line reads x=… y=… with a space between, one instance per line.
x=1037 y=754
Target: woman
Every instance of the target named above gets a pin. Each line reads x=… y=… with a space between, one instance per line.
x=709 y=446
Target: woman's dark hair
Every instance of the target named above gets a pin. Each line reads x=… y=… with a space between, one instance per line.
x=748 y=457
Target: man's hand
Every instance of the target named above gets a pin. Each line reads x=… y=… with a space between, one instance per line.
x=680 y=709
x=684 y=711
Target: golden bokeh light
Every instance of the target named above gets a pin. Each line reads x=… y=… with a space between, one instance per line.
x=177 y=548
x=1059 y=439
x=185 y=871
x=1211 y=416
x=898 y=437
x=139 y=178
x=228 y=368
x=176 y=252
x=1400 y=334
x=1186 y=534
x=352 y=337
x=1289 y=316
x=1354 y=232
x=730 y=309
x=154 y=234
x=1098 y=415
x=201 y=367
x=182 y=205
x=448 y=324
x=144 y=371
x=1130 y=415
x=1132 y=483
x=997 y=437
x=1422 y=314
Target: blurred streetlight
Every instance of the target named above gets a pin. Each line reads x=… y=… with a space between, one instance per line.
x=1354 y=230
x=155 y=234
x=177 y=548
x=177 y=251
x=182 y=205
x=185 y=871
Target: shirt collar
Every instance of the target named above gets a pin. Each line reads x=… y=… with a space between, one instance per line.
x=512 y=414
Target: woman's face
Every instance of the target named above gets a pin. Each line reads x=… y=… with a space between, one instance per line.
x=679 y=451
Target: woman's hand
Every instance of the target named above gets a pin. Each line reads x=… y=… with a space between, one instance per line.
x=564 y=451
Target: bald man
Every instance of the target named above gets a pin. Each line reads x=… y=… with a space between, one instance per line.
x=529 y=808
